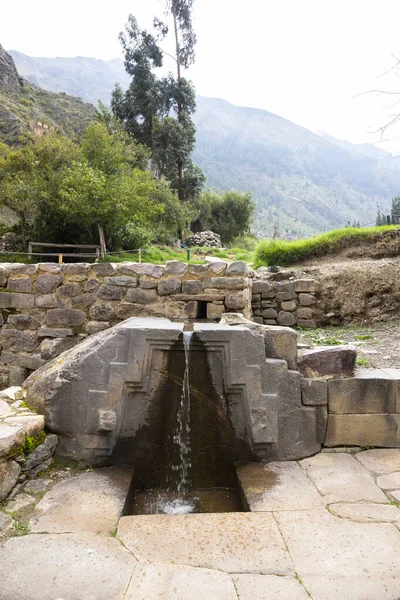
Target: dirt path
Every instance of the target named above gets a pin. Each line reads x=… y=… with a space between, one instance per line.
x=378 y=344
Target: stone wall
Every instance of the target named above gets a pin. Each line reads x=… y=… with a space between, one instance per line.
x=286 y=301
x=48 y=308
x=25 y=450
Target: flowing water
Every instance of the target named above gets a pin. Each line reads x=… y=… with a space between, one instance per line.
x=181 y=436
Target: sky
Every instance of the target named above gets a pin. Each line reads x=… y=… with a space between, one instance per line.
x=310 y=61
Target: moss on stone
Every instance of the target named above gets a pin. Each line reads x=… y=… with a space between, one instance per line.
x=31 y=443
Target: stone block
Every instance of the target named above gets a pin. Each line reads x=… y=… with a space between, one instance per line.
x=191 y=309
x=123 y=281
x=11 y=439
x=54 y=333
x=18 y=341
x=96 y=326
x=9 y=472
x=46 y=301
x=10 y=300
x=107 y=420
x=76 y=268
x=67 y=317
x=47 y=284
x=314 y=392
x=148 y=284
x=51 y=348
x=214 y=311
x=169 y=286
x=68 y=290
x=207 y=296
x=175 y=267
x=363 y=430
x=83 y=301
x=285 y=296
x=91 y=285
x=262 y=286
x=290 y=305
x=103 y=269
x=228 y=283
x=258 y=320
x=238 y=268
x=305 y=285
x=236 y=301
x=269 y=321
x=362 y=395
x=268 y=304
x=216 y=267
x=30 y=361
x=150 y=270
x=17 y=269
x=31 y=425
x=22 y=322
x=139 y=296
x=328 y=362
x=304 y=313
x=269 y=313
x=322 y=423
x=17 y=375
x=306 y=323
x=42 y=452
x=281 y=342
x=306 y=299
x=109 y=292
x=49 y=268
x=286 y=319
x=19 y=284
x=192 y=286
x=268 y=295
x=7 y=357
x=101 y=312
x=199 y=270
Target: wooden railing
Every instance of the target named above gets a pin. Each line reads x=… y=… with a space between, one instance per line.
x=98 y=253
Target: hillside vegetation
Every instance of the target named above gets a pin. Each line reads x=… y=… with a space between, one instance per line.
x=372 y=242
x=22 y=104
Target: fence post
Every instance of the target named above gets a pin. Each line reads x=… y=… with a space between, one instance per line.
x=29 y=250
x=60 y=258
x=140 y=255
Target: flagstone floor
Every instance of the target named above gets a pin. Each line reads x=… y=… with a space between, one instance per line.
x=325 y=528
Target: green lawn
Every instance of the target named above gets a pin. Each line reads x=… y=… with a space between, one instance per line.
x=283 y=253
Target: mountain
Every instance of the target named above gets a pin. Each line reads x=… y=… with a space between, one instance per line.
x=88 y=78
x=307 y=182
x=25 y=107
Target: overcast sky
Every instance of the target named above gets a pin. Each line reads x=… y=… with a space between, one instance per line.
x=305 y=60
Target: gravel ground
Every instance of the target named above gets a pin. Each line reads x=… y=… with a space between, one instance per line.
x=378 y=344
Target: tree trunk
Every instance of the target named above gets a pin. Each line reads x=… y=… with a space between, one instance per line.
x=102 y=241
x=23 y=233
x=181 y=180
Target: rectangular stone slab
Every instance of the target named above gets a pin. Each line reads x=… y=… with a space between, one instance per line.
x=364 y=430
x=230 y=542
x=341 y=478
x=278 y=486
x=362 y=395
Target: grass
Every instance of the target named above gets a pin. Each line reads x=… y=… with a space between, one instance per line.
x=363 y=362
x=284 y=253
x=160 y=254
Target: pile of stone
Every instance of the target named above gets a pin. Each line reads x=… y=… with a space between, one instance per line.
x=208 y=239
x=18 y=425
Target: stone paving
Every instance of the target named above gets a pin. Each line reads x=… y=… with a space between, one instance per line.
x=325 y=528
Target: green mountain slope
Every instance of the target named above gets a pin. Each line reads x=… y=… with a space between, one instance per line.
x=24 y=105
x=309 y=182
x=88 y=78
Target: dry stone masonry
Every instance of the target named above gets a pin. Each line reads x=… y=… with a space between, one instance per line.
x=24 y=448
x=280 y=299
x=47 y=308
